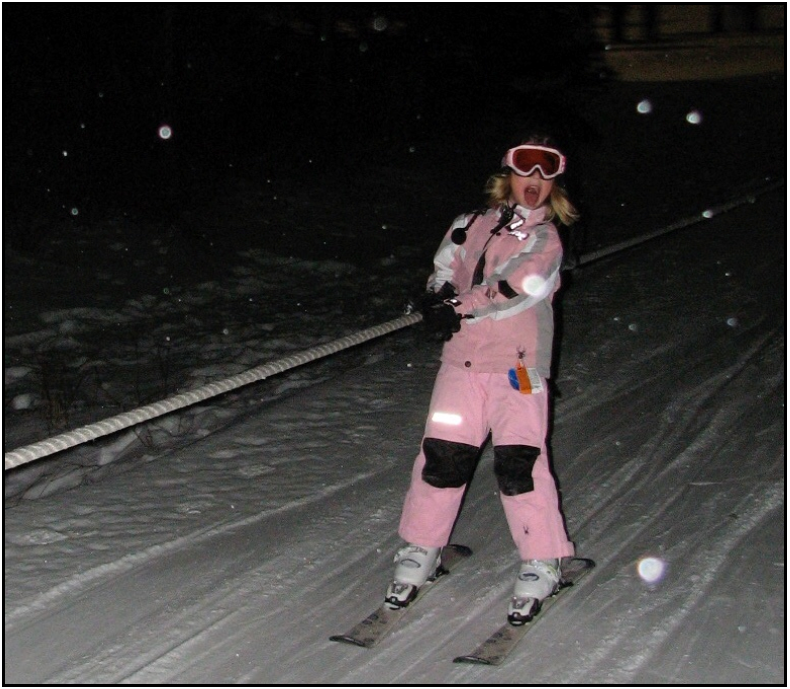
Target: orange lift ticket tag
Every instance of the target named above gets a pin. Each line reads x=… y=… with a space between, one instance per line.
x=526 y=380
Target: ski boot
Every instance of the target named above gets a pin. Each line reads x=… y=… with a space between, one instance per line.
x=537 y=580
x=415 y=566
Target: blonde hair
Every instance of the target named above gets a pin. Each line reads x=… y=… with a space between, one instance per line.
x=559 y=205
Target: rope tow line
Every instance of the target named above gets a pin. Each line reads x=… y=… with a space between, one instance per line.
x=84 y=434
x=751 y=197
x=29 y=453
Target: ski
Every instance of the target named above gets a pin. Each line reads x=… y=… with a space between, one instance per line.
x=495 y=649
x=370 y=631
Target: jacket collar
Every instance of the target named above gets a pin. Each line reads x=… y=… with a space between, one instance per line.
x=529 y=216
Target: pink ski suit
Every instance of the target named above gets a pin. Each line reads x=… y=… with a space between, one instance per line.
x=505 y=281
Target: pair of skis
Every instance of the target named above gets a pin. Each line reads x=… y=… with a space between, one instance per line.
x=495 y=649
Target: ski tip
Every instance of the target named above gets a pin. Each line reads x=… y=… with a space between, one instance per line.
x=345 y=639
x=472 y=660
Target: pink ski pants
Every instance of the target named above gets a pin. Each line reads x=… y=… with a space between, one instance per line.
x=464 y=408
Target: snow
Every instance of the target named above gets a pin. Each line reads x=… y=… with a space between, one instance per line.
x=226 y=543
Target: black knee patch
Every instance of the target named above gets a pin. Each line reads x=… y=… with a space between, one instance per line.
x=448 y=464
x=513 y=468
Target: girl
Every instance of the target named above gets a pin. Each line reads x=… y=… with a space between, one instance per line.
x=490 y=298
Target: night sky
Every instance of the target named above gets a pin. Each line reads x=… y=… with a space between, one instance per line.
x=88 y=86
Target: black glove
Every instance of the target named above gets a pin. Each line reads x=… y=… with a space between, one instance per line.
x=440 y=319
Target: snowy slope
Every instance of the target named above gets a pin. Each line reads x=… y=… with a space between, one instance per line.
x=233 y=558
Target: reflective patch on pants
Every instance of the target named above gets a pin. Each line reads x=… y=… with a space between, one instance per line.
x=448 y=464
x=513 y=466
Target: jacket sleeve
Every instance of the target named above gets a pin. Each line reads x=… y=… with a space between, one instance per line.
x=448 y=257
x=526 y=278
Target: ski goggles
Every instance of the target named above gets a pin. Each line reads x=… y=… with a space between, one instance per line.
x=525 y=159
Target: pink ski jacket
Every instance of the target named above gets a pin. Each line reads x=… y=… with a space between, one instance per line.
x=510 y=309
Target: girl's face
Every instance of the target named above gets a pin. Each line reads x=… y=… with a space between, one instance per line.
x=530 y=191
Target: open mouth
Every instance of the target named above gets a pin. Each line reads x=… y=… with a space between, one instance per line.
x=531 y=195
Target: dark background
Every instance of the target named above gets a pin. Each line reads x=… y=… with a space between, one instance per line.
x=341 y=104
x=256 y=89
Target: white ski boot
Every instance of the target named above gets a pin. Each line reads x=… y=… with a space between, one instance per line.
x=415 y=565
x=537 y=580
